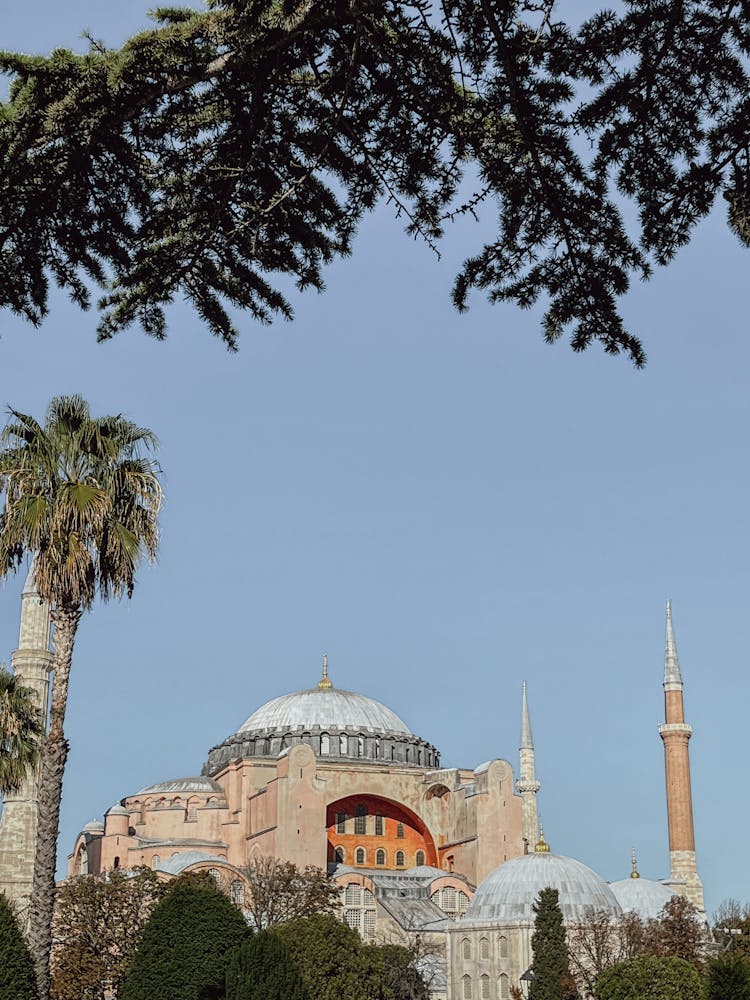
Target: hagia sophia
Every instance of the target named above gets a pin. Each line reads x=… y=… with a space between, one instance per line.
x=335 y=779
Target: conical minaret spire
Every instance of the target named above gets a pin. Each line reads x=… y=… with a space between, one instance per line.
x=675 y=734
x=527 y=784
x=32 y=663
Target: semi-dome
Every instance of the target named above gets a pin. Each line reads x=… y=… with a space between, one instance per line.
x=508 y=893
x=641 y=896
x=333 y=722
x=197 y=784
x=324 y=708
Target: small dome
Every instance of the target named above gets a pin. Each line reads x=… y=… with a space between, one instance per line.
x=199 y=784
x=117 y=810
x=508 y=893
x=641 y=896
x=324 y=708
x=94 y=826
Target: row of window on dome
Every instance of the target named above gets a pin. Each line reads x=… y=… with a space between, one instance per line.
x=502 y=991
x=381 y=857
x=359 y=909
x=485 y=947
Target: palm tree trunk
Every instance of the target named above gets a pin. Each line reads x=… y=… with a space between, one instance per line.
x=52 y=766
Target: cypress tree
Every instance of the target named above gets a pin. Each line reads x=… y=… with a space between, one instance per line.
x=552 y=979
x=183 y=951
x=261 y=968
x=17 y=980
x=728 y=978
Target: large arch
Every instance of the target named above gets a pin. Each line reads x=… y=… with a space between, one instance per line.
x=377 y=823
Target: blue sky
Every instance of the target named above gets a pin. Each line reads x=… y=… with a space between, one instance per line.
x=442 y=503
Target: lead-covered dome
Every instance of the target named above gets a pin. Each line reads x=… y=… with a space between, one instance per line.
x=324 y=708
x=335 y=723
x=508 y=893
x=642 y=896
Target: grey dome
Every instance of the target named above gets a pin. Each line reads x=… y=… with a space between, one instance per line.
x=94 y=826
x=197 y=784
x=325 y=709
x=641 y=896
x=179 y=862
x=117 y=810
x=508 y=893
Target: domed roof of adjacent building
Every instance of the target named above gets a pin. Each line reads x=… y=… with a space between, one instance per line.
x=324 y=708
x=641 y=896
x=508 y=893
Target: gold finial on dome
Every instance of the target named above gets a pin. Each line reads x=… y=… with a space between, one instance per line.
x=634 y=866
x=541 y=846
x=324 y=683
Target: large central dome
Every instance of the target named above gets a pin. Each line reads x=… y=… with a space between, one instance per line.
x=326 y=708
x=336 y=724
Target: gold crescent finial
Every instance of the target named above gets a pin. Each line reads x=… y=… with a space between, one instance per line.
x=541 y=846
x=324 y=683
x=634 y=866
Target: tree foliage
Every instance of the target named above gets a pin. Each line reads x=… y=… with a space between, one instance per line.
x=98 y=922
x=732 y=926
x=81 y=494
x=728 y=977
x=184 y=948
x=17 y=980
x=551 y=970
x=677 y=933
x=228 y=152
x=262 y=969
x=21 y=731
x=278 y=891
x=651 y=978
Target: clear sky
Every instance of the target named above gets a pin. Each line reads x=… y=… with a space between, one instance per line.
x=444 y=505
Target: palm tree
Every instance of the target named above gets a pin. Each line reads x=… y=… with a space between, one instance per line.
x=82 y=494
x=21 y=730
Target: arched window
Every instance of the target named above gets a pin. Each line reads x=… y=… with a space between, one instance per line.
x=419 y=858
x=502 y=947
x=484 y=983
x=380 y=857
x=353 y=895
x=467 y=987
x=261 y=748
x=237 y=892
x=504 y=987
x=400 y=830
x=340 y=855
x=359 y=856
x=325 y=743
x=360 y=746
x=117 y=862
x=343 y=743
x=155 y=861
x=400 y=859
x=484 y=947
x=466 y=948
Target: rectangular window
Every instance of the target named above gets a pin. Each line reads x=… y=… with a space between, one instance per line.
x=340 y=822
x=352 y=918
x=360 y=820
x=378 y=826
x=369 y=928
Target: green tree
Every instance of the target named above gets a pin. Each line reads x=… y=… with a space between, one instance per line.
x=329 y=957
x=184 y=948
x=262 y=969
x=229 y=147
x=550 y=965
x=17 y=980
x=677 y=933
x=80 y=494
x=732 y=926
x=728 y=977
x=98 y=922
x=651 y=978
x=391 y=971
x=21 y=730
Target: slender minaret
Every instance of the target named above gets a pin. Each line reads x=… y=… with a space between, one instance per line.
x=527 y=784
x=676 y=733
x=32 y=662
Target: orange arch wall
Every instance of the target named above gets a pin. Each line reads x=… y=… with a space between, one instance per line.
x=415 y=838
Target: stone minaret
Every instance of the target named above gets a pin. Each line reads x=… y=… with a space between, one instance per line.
x=676 y=733
x=32 y=662
x=527 y=784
